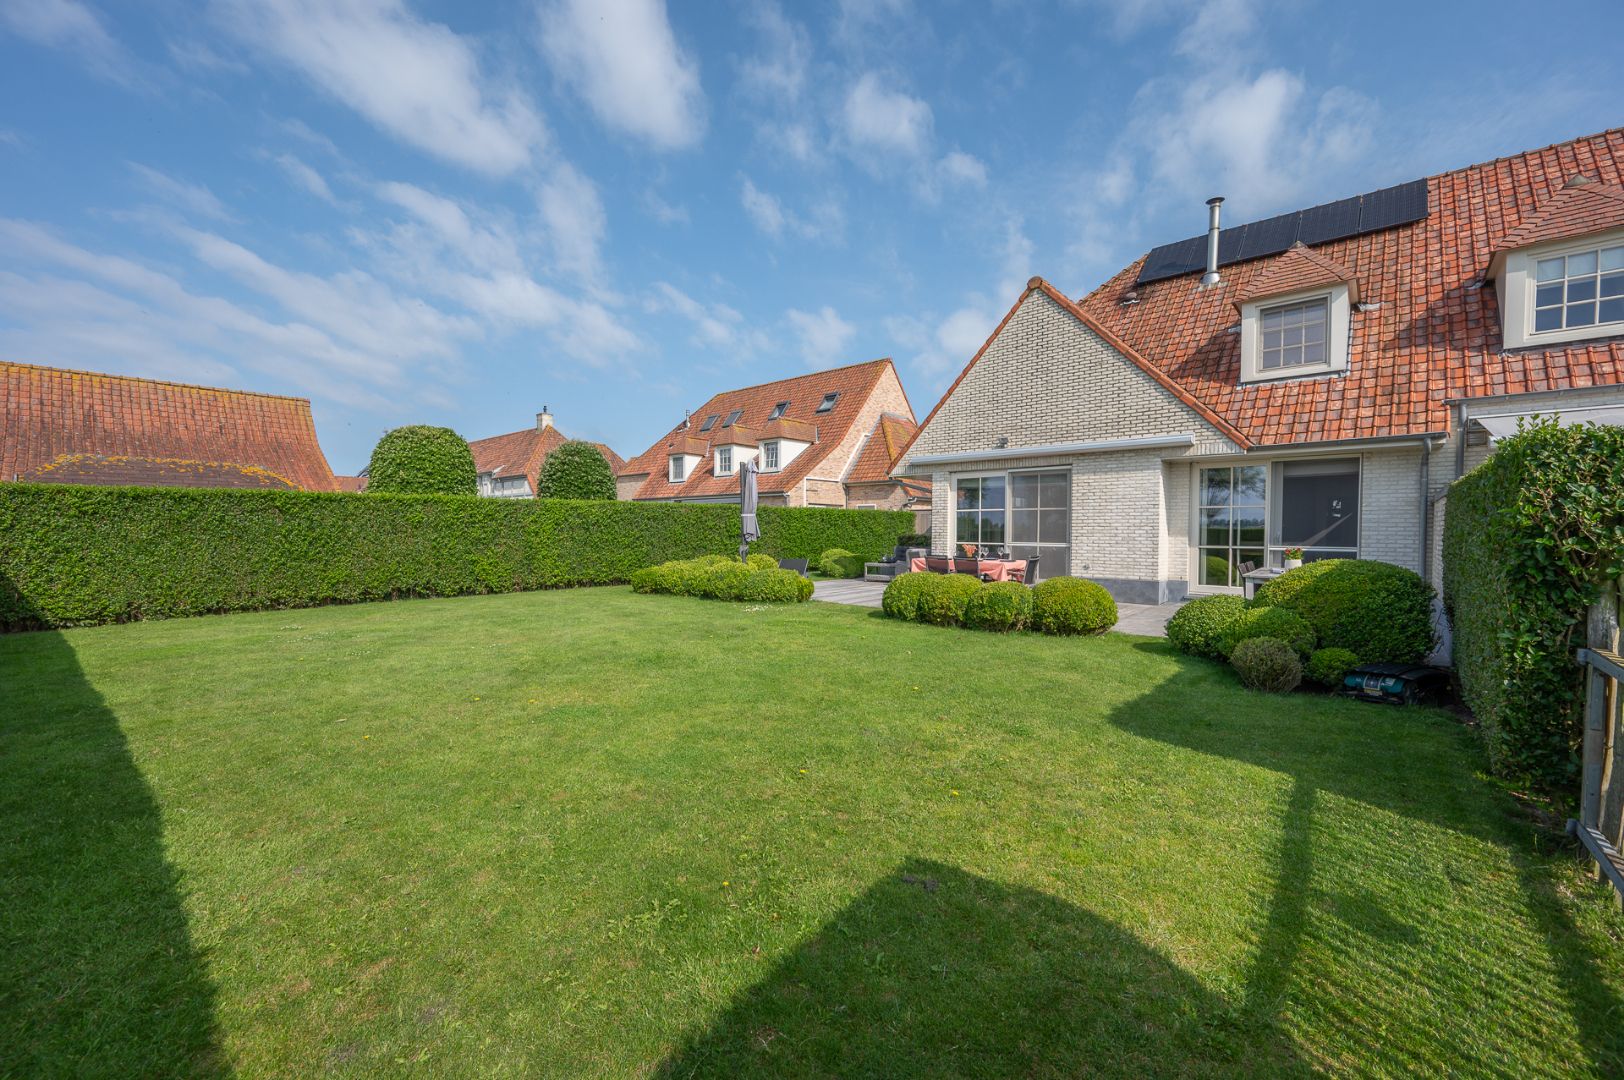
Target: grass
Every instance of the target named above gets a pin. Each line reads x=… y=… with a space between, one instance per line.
x=591 y=833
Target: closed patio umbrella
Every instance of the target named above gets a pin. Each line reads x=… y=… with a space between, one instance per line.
x=747 y=505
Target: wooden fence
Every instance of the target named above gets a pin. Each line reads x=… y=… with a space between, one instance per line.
x=1600 y=825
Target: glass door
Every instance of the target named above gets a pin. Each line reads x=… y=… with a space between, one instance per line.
x=1232 y=513
x=980 y=512
x=1040 y=521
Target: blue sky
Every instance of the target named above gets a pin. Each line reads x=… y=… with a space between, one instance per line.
x=452 y=213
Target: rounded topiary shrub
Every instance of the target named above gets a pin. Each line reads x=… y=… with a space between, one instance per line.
x=576 y=470
x=1267 y=664
x=1377 y=611
x=999 y=606
x=1198 y=627
x=1328 y=666
x=763 y=562
x=776 y=586
x=840 y=563
x=422 y=460
x=1068 y=605
x=1277 y=623
x=943 y=600
x=901 y=597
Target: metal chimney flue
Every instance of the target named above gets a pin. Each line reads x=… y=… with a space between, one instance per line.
x=1213 y=205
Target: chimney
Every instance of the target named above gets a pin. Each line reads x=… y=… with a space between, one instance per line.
x=544 y=419
x=1211 y=276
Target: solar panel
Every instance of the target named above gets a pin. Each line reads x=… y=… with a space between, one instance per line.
x=1371 y=212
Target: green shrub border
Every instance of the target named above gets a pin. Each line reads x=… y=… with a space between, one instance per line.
x=75 y=555
x=1530 y=537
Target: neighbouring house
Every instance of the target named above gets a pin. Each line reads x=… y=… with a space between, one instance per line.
x=1312 y=380
x=81 y=427
x=825 y=439
x=509 y=465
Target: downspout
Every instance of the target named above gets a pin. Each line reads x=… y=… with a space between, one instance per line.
x=1426 y=505
x=1460 y=439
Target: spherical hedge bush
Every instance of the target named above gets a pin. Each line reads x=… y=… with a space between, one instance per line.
x=422 y=460
x=999 y=606
x=1277 y=623
x=840 y=563
x=1377 y=611
x=576 y=470
x=1267 y=664
x=901 y=597
x=1068 y=605
x=942 y=602
x=1198 y=627
x=1328 y=666
x=776 y=586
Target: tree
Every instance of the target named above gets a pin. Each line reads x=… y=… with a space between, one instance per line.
x=576 y=470
x=422 y=460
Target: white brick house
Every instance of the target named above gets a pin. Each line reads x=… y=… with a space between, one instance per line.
x=1316 y=382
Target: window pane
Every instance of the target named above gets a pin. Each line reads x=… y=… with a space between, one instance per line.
x=1548 y=319
x=1054 y=562
x=1272 y=319
x=1581 y=314
x=1314 y=332
x=1612 y=285
x=1582 y=289
x=969 y=494
x=1549 y=269
x=1271 y=359
x=1023 y=527
x=1052 y=526
x=1314 y=353
x=1056 y=489
x=992 y=527
x=1023 y=491
x=1612 y=258
x=967 y=528
x=1546 y=295
x=1250 y=483
x=1248 y=522
x=1319 y=504
x=1255 y=556
x=1293 y=336
x=992 y=493
x=1271 y=339
x=1214 y=487
x=1582 y=264
x=1612 y=310
x=1215 y=526
x=1214 y=567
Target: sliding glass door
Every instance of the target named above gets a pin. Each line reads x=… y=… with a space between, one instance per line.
x=1231 y=516
x=1317 y=509
x=1027 y=513
x=1248 y=516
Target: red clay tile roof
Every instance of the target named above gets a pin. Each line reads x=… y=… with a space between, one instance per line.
x=1582 y=206
x=853 y=383
x=880 y=452
x=47 y=413
x=105 y=470
x=352 y=484
x=1298 y=268
x=524 y=452
x=1434 y=335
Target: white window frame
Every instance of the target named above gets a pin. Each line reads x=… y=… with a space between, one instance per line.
x=772 y=456
x=1517 y=288
x=677 y=469
x=1273 y=552
x=724 y=461
x=1009 y=510
x=1338 y=321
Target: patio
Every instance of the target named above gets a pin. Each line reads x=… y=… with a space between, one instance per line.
x=1148 y=620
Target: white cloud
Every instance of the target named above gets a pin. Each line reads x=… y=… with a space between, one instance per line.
x=74 y=28
x=623 y=59
x=575 y=221
x=10 y=138
x=716 y=325
x=778 y=72
x=963 y=168
x=880 y=118
x=416 y=80
x=193 y=55
x=307 y=178
x=666 y=213
x=824 y=335
x=764 y=210
x=194 y=198
x=825 y=223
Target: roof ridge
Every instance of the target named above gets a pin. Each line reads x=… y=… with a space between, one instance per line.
x=808 y=375
x=152 y=382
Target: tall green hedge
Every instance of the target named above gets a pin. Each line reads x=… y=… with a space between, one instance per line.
x=807 y=532
x=73 y=555
x=1530 y=536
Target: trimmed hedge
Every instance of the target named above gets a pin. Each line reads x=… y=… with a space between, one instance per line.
x=1530 y=537
x=1199 y=626
x=999 y=606
x=576 y=470
x=840 y=563
x=74 y=555
x=1380 y=612
x=717 y=578
x=422 y=460
x=1267 y=664
x=1068 y=605
x=807 y=532
x=1269 y=622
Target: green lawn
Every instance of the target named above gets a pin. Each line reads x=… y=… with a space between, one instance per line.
x=592 y=833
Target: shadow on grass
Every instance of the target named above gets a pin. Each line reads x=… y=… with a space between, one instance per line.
x=98 y=974
x=1397 y=760
x=937 y=972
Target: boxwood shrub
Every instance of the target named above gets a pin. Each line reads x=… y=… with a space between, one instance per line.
x=1377 y=611
x=942 y=602
x=76 y=555
x=718 y=578
x=1530 y=538
x=1269 y=622
x=840 y=563
x=1199 y=626
x=1267 y=664
x=1329 y=666
x=1068 y=605
x=999 y=606
x=901 y=597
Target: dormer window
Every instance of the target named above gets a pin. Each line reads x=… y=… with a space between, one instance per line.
x=769 y=456
x=828 y=402
x=724 y=460
x=1578 y=289
x=778 y=410
x=679 y=468
x=1296 y=335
